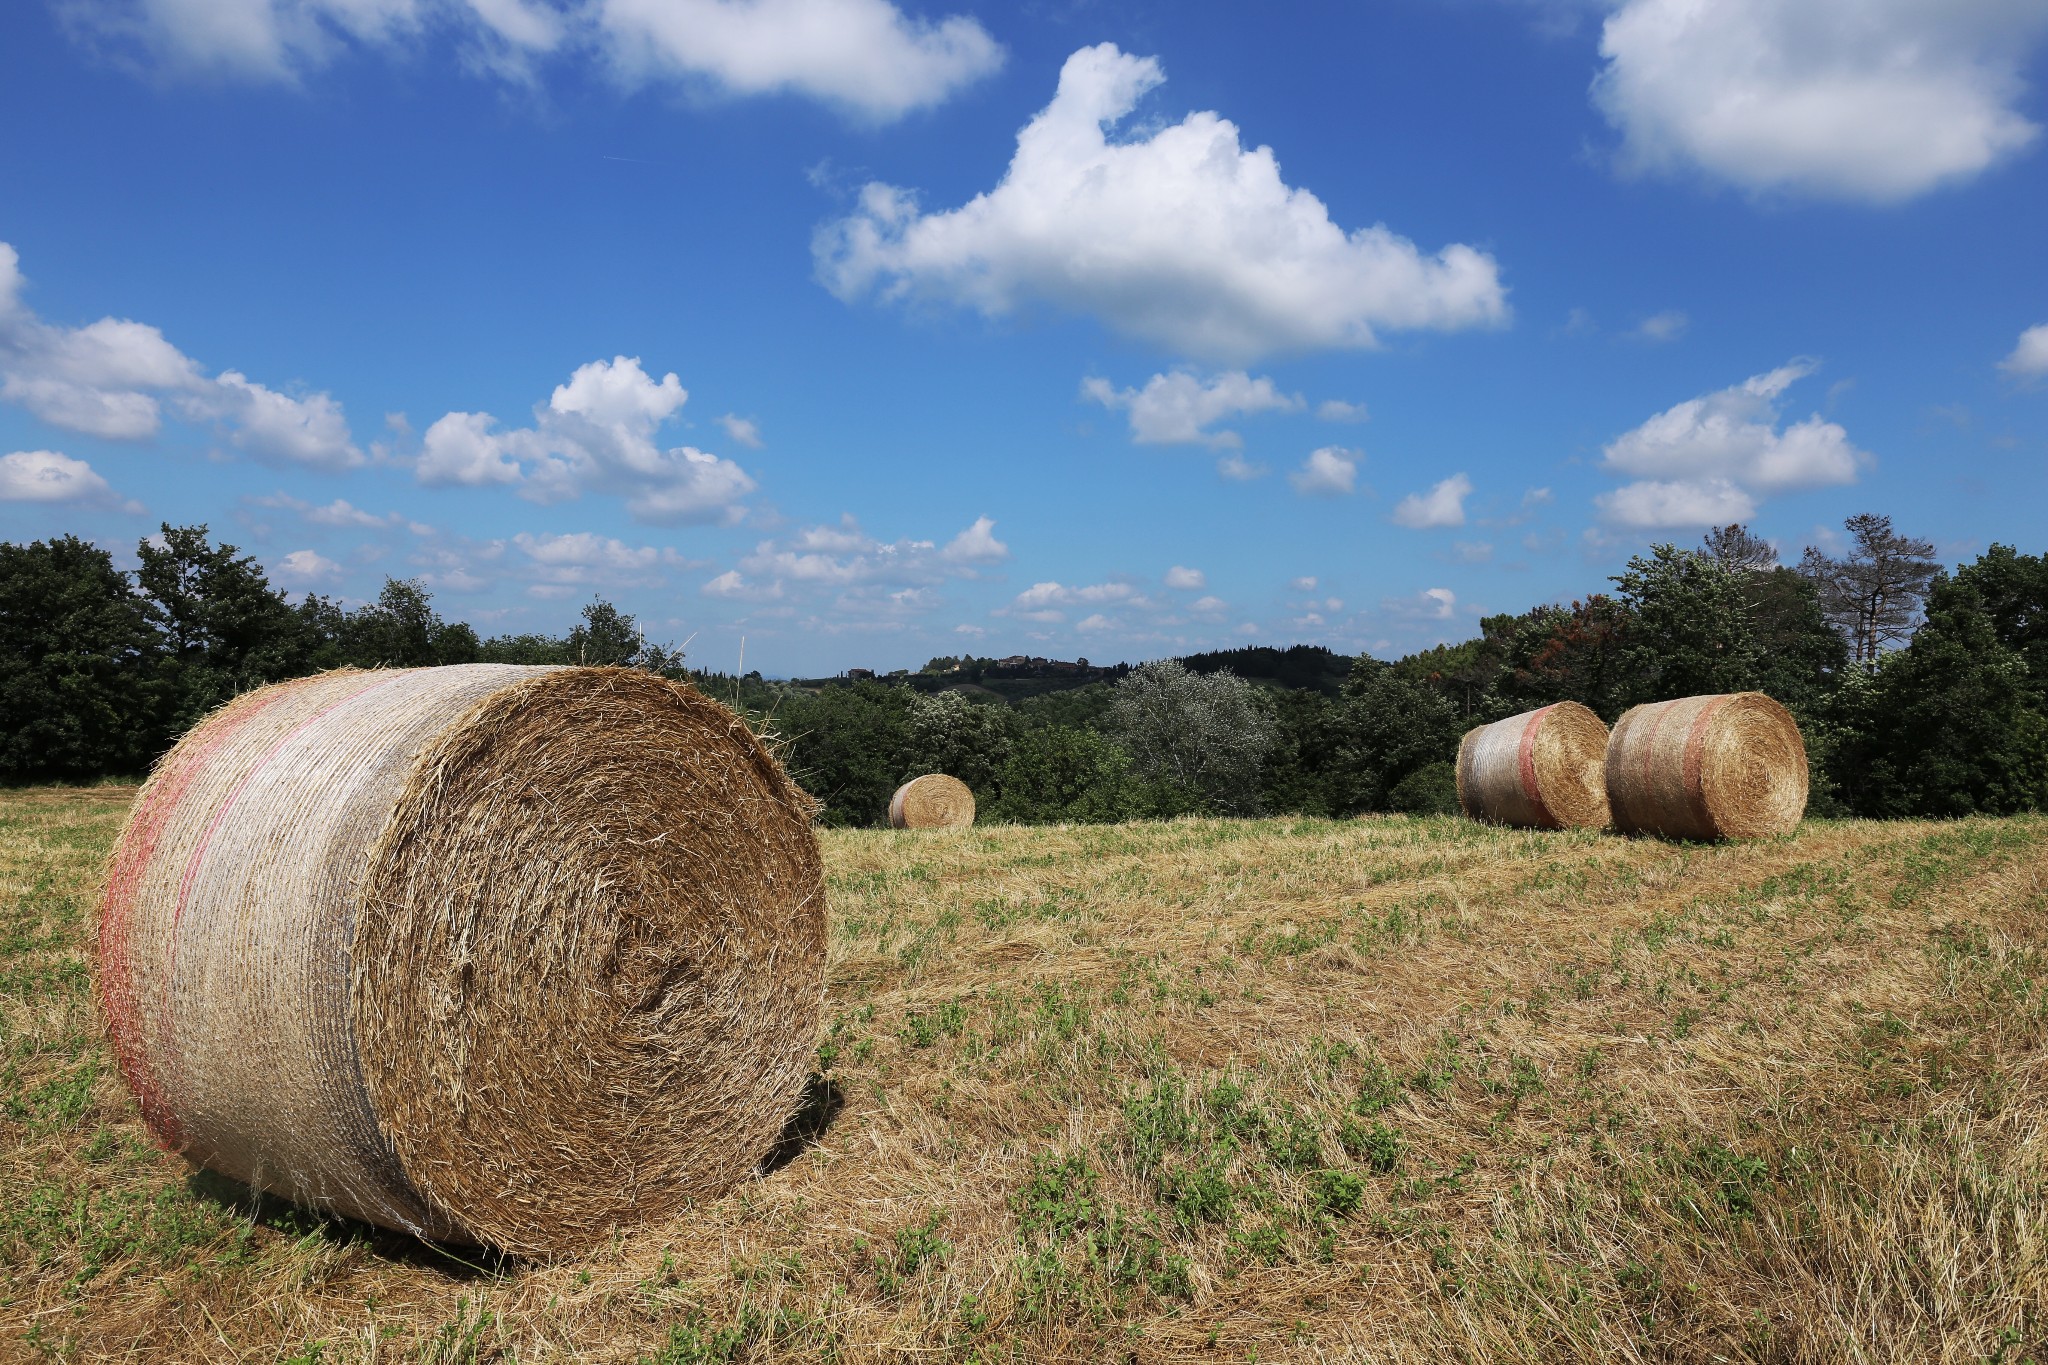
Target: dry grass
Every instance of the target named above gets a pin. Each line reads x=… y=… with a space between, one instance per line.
x=1383 y=1090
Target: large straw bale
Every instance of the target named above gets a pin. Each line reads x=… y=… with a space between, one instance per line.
x=934 y=801
x=1728 y=766
x=493 y=954
x=1540 y=769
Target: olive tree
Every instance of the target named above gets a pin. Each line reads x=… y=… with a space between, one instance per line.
x=1204 y=736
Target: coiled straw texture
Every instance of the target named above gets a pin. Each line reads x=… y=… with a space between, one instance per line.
x=1727 y=766
x=1541 y=769
x=491 y=954
x=934 y=801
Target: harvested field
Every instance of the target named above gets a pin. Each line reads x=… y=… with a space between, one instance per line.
x=1379 y=1090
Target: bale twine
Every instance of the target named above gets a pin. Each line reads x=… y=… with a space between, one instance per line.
x=492 y=954
x=1538 y=770
x=934 y=801
x=1719 y=767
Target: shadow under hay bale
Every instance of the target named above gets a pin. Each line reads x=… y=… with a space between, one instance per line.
x=1541 y=769
x=459 y=1262
x=823 y=1099
x=1727 y=766
x=934 y=801
x=487 y=954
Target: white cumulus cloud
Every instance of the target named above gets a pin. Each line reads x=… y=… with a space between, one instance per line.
x=1872 y=100
x=2029 y=359
x=976 y=545
x=1442 y=505
x=866 y=57
x=306 y=568
x=1337 y=410
x=1659 y=503
x=1719 y=451
x=111 y=379
x=561 y=565
x=1182 y=578
x=596 y=433
x=1179 y=407
x=46 y=476
x=1182 y=237
x=1329 y=472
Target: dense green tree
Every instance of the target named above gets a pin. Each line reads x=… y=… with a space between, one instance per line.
x=1553 y=653
x=1303 y=771
x=1390 y=726
x=76 y=654
x=1060 y=773
x=1945 y=727
x=1689 y=628
x=847 y=746
x=2014 y=590
x=949 y=734
x=401 y=629
x=1201 y=735
x=221 y=628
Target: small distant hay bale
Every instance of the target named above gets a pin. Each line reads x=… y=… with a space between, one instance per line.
x=491 y=954
x=934 y=801
x=1730 y=766
x=1538 y=770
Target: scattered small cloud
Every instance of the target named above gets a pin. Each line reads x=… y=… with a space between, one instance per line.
x=1329 y=472
x=1669 y=325
x=1306 y=583
x=1240 y=470
x=1337 y=410
x=305 y=569
x=976 y=545
x=1182 y=578
x=1178 y=408
x=741 y=430
x=2029 y=359
x=1443 y=505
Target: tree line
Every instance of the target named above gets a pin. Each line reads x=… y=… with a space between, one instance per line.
x=1920 y=690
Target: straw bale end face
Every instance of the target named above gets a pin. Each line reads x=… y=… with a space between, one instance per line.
x=934 y=801
x=1724 y=766
x=1538 y=770
x=502 y=955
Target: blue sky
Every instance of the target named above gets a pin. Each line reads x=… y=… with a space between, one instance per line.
x=871 y=332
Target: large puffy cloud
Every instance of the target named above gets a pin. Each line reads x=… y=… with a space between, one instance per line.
x=1183 y=237
x=1705 y=460
x=864 y=56
x=1874 y=100
x=112 y=378
x=2029 y=358
x=596 y=433
x=1179 y=408
x=47 y=476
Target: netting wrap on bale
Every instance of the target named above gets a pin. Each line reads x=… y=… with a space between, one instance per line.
x=1730 y=766
x=487 y=953
x=934 y=801
x=1539 y=770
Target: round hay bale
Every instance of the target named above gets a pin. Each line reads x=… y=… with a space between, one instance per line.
x=1731 y=766
x=492 y=954
x=1538 y=770
x=934 y=801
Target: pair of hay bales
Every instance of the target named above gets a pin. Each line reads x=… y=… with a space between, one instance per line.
x=1730 y=766
x=490 y=954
